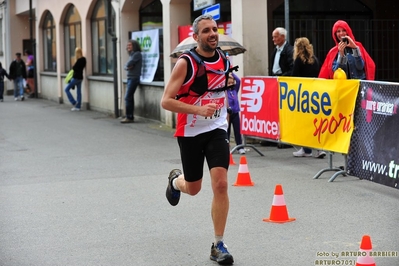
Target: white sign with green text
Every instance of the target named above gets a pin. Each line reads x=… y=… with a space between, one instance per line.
x=149 y=43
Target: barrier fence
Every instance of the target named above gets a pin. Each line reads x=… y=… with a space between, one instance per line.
x=356 y=118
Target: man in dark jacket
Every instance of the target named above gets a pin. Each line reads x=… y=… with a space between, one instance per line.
x=18 y=75
x=282 y=62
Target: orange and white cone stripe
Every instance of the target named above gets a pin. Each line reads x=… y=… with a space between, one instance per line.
x=365 y=248
x=243 y=176
x=243 y=168
x=278 y=200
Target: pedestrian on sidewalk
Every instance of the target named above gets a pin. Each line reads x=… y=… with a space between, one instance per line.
x=76 y=80
x=201 y=129
x=133 y=69
x=18 y=75
x=3 y=73
x=30 y=73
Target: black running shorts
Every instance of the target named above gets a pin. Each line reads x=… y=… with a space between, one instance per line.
x=212 y=145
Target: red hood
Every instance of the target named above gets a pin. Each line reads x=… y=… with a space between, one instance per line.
x=326 y=68
x=345 y=26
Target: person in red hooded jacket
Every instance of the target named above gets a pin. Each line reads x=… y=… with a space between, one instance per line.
x=348 y=54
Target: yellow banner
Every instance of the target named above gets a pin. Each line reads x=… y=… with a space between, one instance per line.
x=317 y=113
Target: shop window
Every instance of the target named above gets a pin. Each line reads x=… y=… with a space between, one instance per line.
x=49 y=44
x=102 y=40
x=72 y=36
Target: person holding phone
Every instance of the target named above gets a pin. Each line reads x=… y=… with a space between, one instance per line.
x=347 y=54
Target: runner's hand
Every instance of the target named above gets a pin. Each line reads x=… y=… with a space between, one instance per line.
x=208 y=110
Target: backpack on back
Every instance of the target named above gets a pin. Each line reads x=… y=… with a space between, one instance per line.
x=200 y=84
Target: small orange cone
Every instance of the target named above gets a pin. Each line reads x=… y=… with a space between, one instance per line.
x=232 y=160
x=278 y=212
x=243 y=177
x=365 y=248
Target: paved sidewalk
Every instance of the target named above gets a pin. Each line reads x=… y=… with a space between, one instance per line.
x=80 y=188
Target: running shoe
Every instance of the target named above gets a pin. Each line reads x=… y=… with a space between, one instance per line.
x=220 y=254
x=172 y=194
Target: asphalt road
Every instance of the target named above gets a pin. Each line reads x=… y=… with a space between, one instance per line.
x=80 y=188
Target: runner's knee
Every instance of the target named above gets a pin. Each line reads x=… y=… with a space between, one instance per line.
x=193 y=188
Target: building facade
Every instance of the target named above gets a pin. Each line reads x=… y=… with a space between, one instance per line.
x=53 y=29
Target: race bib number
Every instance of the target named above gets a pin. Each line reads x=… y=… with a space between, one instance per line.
x=219 y=102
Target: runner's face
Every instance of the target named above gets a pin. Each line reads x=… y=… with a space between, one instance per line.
x=208 y=36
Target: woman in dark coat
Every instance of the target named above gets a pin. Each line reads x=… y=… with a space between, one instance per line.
x=306 y=65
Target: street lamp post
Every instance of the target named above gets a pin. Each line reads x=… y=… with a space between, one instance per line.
x=287 y=18
x=33 y=43
x=114 y=65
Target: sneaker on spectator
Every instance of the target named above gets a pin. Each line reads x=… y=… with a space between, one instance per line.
x=172 y=194
x=220 y=254
x=321 y=154
x=301 y=153
x=75 y=109
x=127 y=120
x=22 y=98
x=16 y=99
x=241 y=151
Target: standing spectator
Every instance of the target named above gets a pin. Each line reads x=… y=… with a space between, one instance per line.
x=281 y=63
x=3 y=73
x=347 y=54
x=76 y=80
x=18 y=74
x=133 y=68
x=234 y=113
x=307 y=65
x=201 y=129
x=31 y=74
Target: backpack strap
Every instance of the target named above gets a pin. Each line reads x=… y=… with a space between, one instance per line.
x=198 y=61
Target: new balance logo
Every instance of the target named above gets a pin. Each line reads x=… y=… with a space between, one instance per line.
x=251 y=96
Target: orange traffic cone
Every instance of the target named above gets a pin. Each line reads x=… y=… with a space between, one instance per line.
x=232 y=160
x=278 y=212
x=365 y=248
x=243 y=177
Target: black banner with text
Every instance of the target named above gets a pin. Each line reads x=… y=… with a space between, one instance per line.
x=374 y=146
